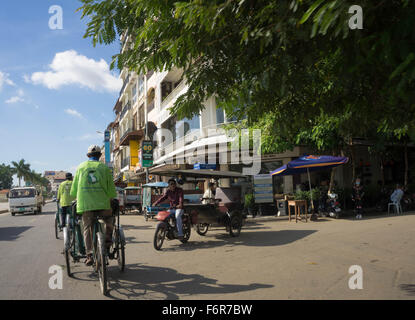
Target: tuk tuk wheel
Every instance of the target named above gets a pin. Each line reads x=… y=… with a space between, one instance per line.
x=235 y=226
x=202 y=228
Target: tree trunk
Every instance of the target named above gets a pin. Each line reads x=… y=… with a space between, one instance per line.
x=406 y=164
x=382 y=172
x=353 y=163
x=333 y=171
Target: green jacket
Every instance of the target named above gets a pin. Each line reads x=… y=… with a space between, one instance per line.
x=64 y=197
x=93 y=187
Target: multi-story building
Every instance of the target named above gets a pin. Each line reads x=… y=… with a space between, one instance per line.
x=55 y=178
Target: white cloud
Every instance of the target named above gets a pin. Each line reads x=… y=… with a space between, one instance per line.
x=69 y=67
x=4 y=79
x=14 y=100
x=74 y=113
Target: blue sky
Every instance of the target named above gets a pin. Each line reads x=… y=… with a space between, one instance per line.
x=56 y=89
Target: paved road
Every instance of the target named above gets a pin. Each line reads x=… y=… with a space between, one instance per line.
x=270 y=260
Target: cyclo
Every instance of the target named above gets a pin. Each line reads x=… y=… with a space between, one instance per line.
x=74 y=246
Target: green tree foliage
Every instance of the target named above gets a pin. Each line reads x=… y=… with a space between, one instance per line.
x=293 y=67
x=6 y=176
x=21 y=169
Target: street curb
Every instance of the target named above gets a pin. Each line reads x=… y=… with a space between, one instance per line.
x=3 y=211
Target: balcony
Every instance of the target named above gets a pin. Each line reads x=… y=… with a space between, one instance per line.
x=125 y=110
x=171 y=96
x=131 y=134
x=125 y=84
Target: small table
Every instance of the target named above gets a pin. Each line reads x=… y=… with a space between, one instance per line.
x=297 y=204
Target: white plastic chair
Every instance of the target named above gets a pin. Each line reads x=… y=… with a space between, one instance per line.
x=397 y=205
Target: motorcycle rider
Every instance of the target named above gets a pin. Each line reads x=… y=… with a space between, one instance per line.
x=94 y=189
x=176 y=198
x=64 y=198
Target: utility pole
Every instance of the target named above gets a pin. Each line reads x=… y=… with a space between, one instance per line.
x=146 y=118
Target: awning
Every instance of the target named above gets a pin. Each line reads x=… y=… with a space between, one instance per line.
x=198 y=173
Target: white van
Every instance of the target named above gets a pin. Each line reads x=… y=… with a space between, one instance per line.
x=25 y=200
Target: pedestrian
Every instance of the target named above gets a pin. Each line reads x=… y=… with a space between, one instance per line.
x=357 y=198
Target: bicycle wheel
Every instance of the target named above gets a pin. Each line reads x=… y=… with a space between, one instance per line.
x=68 y=244
x=56 y=228
x=101 y=264
x=119 y=246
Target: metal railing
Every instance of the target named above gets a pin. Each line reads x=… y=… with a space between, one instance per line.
x=125 y=84
x=125 y=110
x=172 y=94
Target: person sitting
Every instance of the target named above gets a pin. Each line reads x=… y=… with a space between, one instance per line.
x=209 y=195
x=397 y=195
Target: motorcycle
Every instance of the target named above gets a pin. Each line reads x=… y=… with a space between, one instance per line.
x=330 y=206
x=167 y=228
x=333 y=205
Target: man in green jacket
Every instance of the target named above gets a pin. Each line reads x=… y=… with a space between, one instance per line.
x=64 y=198
x=94 y=188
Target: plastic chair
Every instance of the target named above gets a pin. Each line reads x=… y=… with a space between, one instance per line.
x=397 y=206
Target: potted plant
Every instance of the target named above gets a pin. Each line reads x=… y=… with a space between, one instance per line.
x=249 y=202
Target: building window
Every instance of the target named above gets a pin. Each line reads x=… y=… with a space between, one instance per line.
x=134 y=92
x=220 y=116
x=185 y=126
x=140 y=85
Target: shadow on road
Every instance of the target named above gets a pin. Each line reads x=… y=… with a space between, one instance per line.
x=130 y=227
x=150 y=283
x=254 y=239
x=409 y=288
x=12 y=233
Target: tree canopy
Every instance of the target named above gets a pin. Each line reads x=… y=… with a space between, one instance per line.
x=295 y=68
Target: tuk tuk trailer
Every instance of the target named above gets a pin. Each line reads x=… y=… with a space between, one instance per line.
x=132 y=199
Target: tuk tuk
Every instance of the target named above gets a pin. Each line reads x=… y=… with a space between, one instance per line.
x=132 y=199
x=120 y=197
x=227 y=209
x=152 y=192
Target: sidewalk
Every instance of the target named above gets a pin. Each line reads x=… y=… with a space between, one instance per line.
x=4 y=207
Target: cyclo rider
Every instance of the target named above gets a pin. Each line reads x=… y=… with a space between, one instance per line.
x=94 y=189
x=176 y=197
x=64 y=198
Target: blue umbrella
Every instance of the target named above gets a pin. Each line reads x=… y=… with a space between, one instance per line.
x=156 y=185
x=305 y=164
x=309 y=163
